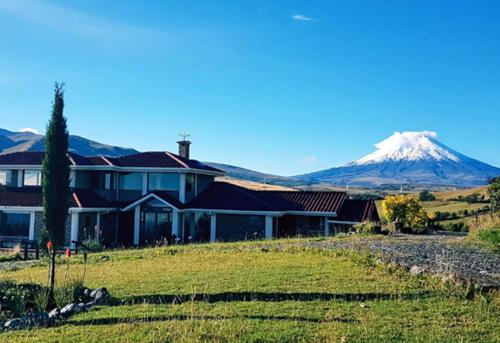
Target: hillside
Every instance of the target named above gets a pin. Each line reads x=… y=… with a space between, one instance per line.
x=26 y=141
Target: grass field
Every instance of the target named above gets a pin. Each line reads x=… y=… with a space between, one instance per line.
x=241 y=292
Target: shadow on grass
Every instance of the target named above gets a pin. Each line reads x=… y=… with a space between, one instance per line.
x=268 y=297
x=181 y=317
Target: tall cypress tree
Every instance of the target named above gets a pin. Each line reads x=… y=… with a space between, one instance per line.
x=55 y=182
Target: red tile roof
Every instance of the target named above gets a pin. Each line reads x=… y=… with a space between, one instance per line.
x=358 y=211
x=153 y=159
x=225 y=196
x=32 y=197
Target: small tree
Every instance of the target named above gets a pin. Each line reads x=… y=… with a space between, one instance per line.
x=494 y=193
x=55 y=184
x=426 y=196
x=405 y=212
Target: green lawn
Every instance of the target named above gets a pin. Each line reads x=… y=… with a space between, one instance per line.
x=240 y=292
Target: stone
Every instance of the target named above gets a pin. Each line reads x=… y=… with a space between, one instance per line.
x=68 y=310
x=86 y=292
x=82 y=307
x=55 y=314
x=98 y=290
x=14 y=324
x=36 y=319
x=100 y=296
x=416 y=270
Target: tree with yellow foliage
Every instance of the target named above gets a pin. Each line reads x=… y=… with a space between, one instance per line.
x=405 y=213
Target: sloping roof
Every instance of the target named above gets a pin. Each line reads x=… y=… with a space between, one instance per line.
x=358 y=211
x=158 y=159
x=304 y=201
x=22 y=158
x=152 y=159
x=168 y=198
x=32 y=197
x=225 y=196
x=21 y=197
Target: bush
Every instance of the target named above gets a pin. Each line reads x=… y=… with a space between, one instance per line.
x=456 y=227
x=92 y=245
x=15 y=299
x=368 y=227
x=426 y=196
x=69 y=293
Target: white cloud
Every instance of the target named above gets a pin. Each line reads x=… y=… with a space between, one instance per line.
x=301 y=17
x=70 y=20
x=309 y=160
x=29 y=129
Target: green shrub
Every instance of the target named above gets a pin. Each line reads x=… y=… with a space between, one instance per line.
x=69 y=293
x=15 y=299
x=92 y=245
x=368 y=227
x=456 y=227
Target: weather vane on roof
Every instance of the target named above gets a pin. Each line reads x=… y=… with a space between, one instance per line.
x=184 y=135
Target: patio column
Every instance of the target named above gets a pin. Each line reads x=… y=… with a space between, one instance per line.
x=32 y=226
x=175 y=223
x=182 y=187
x=327 y=227
x=213 y=227
x=269 y=227
x=137 y=224
x=98 y=228
x=74 y=229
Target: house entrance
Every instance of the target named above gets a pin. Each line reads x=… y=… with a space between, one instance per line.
x=156 y=225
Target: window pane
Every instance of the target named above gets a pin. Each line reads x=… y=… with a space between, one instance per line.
x=8 y=178
x=32 y=178
x=163 y=181
x=131 y=181
x=189 y=182
x=15 y=224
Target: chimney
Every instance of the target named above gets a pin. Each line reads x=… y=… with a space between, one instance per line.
x=184 y=148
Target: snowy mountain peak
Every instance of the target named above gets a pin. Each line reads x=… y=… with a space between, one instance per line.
x=409 y=146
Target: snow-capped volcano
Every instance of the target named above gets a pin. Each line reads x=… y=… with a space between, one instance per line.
x=410 y=157
x=409 y=146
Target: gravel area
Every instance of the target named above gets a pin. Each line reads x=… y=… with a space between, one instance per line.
x=436 y=254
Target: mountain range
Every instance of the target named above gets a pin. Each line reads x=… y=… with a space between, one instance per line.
x=28 y=141
x=410 y=158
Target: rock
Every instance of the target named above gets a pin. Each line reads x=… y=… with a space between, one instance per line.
x=55 y=314
x=86 y=292
x=416 y=270
x=98 y=290
x=100 y=296
x=82 y=307
x=36 y=319
x=68 y=310
x=105 y=258
x=14 y=324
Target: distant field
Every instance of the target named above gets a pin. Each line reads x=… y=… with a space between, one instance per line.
x=445 y=195
x=240 y=292
x=450 y=206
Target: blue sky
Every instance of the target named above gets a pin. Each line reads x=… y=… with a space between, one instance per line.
x=285 y=87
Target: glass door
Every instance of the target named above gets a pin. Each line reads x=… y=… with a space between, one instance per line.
x=156 y=226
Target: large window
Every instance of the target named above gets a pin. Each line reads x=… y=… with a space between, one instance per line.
x=163 y=182
x=8 y=178
x=32 y=178
x=107 y=181
x=131 y=181
x=14 y=224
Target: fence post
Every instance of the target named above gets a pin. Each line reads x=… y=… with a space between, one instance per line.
x=37 y=252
